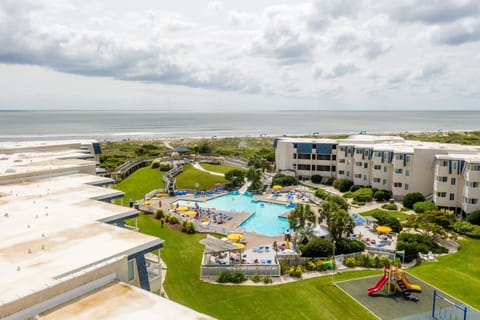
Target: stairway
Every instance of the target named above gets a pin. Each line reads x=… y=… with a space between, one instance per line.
x=406 y=291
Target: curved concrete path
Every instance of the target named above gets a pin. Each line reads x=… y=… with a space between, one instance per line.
x=197 y=165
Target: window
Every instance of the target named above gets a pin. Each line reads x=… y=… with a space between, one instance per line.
x=294 y=166
x=406 y=186
x=295 y=146
x=323 y=157
x=376 y=180
x=294 y=156
x=377 y=167
x=349 y=161
x=441 y=194
x=398 y=171
x=358 y=176
x=474 y=167
x=314 y=146
x=334 y=146
x=377 y=154
x=324 y=168
x=408 y=158
x=358 y=151
x=452 y=196
x=472 y=184
x=454 y=165
x=397 y=184
x=342 y=148
x=334 y=157
x=348 y=173
x=131 y=271
x=365 y=165
x=453 y=181
x=304 y=156
x=341 y=172
x=341 y=160
x=442 y=179
x=443 y=163
x=313 y=156
x=399 y=157
x=471 y=201
x=358 y=164
x=303 y=167
x=385 y=169
x=384 y=182
x=407 y=173
x=365 y=177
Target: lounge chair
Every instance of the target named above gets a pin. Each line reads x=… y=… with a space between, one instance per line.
x=258 y=249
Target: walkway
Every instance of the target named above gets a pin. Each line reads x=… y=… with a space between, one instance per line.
x=197 y=165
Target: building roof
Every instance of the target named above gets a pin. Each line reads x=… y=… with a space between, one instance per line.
x=214 y=245
x=118 y=301
x=181 y=149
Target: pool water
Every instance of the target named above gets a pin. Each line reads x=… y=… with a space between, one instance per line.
x=266 y=219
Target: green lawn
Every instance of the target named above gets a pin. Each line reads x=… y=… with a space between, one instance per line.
x=217 y=167
x=190 y=176
x=457 y=274
x=308 y=299
x=397 y=214
x=139 y=183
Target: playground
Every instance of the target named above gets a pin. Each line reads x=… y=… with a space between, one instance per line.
x=396 y=305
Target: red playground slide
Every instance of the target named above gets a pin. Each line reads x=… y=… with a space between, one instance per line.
x=379 y=285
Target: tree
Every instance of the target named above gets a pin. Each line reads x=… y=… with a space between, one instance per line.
x=235 y=176
x=259 y=162
x=317 y=248
x=340 y=224
x=284 y=180
x=363 y=195
x=382 y=195
x=253 y=174
x=343 y=185
x=474 y=217
x=412 y=197
x=423 y=206
x=300 y=215
x=316 y=178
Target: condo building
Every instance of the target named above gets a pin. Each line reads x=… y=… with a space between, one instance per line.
x=389 y=163
x=65 y=250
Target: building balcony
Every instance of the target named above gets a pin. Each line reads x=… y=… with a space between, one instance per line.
x=470 y=192
x=472 y=175
x=442 y=171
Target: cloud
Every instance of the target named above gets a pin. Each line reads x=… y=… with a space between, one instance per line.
x=458 y=33
x=430 y=72
x=104 y=54
x=339 y=70
x=325 y=11
x=434 y=11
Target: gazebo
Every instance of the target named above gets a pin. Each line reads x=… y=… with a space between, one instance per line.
x=181 y=150
x=220 y=252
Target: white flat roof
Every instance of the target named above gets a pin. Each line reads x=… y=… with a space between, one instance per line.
x=50 y=228
x=459 y=156
x=308 y=140
x=118 y=301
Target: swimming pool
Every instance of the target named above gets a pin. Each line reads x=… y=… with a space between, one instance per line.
x=266 y=219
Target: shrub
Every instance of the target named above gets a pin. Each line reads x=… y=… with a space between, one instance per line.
x=267 y=280
x=344 y=246
x=349 y=262
x=474 y=217
x=411 y=198
x=423 y=206
x=364 y=260
x=188 y=227
x=256 y=278
x=317 y=248
x=354 y=188
x=386 y=219
x=165 y=166
x=343 y=185
x=415 y=243
x=382 y=195
x=363 y=195
x=295 y=271
x=328 y=181
x=348 y=195
x=234 y=277
x=466 y=228
x=159 y=215
x=322 y=194
x=224 y=277
x=316 y=178
x=390 y=206
x=156 y=164
x=173 y=220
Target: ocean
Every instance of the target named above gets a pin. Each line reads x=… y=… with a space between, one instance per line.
x=144 y=125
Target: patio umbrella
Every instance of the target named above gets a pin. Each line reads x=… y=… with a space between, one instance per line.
x=148 y=202
x=239 y=245
x=234 y=236
x=182 y=208
x=384 y=229
x=277 y=186
x=190 y=213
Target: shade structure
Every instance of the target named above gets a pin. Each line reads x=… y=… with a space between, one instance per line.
x=190 y=212
x=277 y=186
x=182 y=208
x=234 y=236
x=148 y=202
x=384 y=229
x=239 y=245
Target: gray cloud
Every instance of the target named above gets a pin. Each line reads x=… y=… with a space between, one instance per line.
x=94 y=53
x=352 y=42
x=327 y=10
x=458 y=33
x=430 y=72
x=339 y=70
x=435 y=11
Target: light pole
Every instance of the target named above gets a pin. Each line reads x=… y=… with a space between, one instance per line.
x=333 y=260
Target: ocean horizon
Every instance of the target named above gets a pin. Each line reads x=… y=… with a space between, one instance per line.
x=161 y=124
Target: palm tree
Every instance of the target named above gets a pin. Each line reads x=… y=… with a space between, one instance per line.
x=340 y=224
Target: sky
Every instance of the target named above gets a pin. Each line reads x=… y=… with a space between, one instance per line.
x=240 y=55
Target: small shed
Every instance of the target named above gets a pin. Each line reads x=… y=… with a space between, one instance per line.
x=181 y=150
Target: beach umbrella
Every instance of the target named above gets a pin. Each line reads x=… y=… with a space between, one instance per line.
x=384 y=229
x=190 y=213
x=148 y=202
x=182 y=208
x=234 y=236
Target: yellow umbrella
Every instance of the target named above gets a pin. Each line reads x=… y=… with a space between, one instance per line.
x=148 y=202
x=182 y=208
x=190 y=212
x=384 y=229
x=277 y=186
x=234 y=236
x=239 y=245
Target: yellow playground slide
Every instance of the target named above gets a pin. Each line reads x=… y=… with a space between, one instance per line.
x=410 y=286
